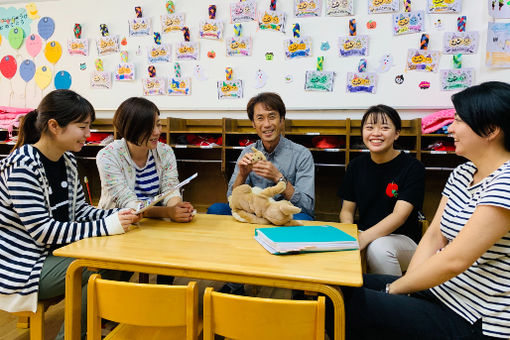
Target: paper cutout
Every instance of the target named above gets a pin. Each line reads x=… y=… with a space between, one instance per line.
x=83 y=66
x=243 y=11
x=33 y=45
x=297 y=47
x=211 y=29
x=339 y=8
x=319 y=81
x=172 y=22
x=100 y=80
x=461 y=42
x=8 y=66
x=27 y=70
x=53 y=51
x=211 y=54
x=361 y=82
x=260 y=79
x=498 y=45
x=159 y=53
x=353 y=46
x=199 y=73
x=409 y=22
x=288 y=78
x=385 y=63
x=63 y=80
x=16 y=36
x=388 y=6
x=32 y=11
x=269 y=56
x=125 y=72
x=424 y=85
x=43 y=77
x=422 y=60
x=457 y=79
x=14 y=17
x=78 y=47
x=239 y=46
x=438 y=25
x=99 y=65
x=123 y=42
x=107 y=45
x=307 y=8
x=499 y=9
x=230 y=89
x=187 y=50
x=444 y=6
x=153 y=86
x=399 y=79
x=46 y=27
x=325 y=46
x=139 y=27
x=179 y=86
x=272 y=21
x=371 y=25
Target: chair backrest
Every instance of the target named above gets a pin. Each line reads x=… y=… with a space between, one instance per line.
x=247 y=318
x=141 y=304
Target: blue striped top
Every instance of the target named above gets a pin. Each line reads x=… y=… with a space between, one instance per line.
x=483 y=290
x=147 y=180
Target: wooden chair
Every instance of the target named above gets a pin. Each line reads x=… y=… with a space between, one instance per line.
x=252 y=318
x=143 y=311
x=35 y=321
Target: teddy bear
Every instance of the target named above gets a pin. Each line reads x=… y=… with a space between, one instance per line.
x=257 y=206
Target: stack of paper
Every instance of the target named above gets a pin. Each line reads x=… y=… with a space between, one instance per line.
x=285 y=240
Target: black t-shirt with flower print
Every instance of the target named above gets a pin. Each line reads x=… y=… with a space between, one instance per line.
x=375 y=188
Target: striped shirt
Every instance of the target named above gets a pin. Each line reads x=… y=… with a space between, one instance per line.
x=483 y=290
x=147 y=180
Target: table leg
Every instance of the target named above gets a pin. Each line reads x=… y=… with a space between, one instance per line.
x=72 y=313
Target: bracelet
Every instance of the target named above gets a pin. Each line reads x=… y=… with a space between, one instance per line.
x=387 y=290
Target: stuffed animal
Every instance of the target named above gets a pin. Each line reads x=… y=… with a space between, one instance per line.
x=257 y=155
x=257 y=206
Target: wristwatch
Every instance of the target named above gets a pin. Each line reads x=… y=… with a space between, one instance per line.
x=387 y=290
x=282 y=179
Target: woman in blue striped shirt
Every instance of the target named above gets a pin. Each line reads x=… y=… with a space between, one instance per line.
x=457 y=285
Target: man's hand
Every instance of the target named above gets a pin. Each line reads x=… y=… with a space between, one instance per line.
x=267 y=170
x=245 y=166
x=181 y=212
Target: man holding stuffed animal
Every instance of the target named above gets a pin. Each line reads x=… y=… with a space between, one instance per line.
x=274 y=159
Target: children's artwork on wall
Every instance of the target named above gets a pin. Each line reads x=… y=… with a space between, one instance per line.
x=361 y=82
x=243 y=11
x=444 y=6
x=230 y=89
x=125 y=72
x=239 y=46
x=498 y=45
x=260 y=79
x=408 y=22
x=107 y=45
x=457 y=79
x=43 y=77
x=307 y=8
x=385 y=63
x=33 y=45
x=461 y=42
x=14 y=17
x=179 y=86
x=187 y=50
x=199 y=73
x=211 y=29
x=140 y=27
x=46 y=27
x=272 y=21
x=386 y=6
x=63 y=80
x=422 y=60
x=153 y=86
x=297 y=47
x=172 y=22
x=101 y=80
x=319 y=81
x=16 y=36
x=159 y=53
x=27 y=70
x=78 y=47
x=499 y=9
x=53 y=51
x=356 y=45
x=339 y=8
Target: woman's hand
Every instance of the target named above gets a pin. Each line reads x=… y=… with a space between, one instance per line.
x=181 y=212
x=128 y=217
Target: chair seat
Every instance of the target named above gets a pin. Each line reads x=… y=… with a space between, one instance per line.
x=130 y=332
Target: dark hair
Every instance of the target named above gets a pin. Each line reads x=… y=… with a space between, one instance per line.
x=379 y=112
x=65 y=106
x=270 y=100
x=134 y=119
x=484 y=107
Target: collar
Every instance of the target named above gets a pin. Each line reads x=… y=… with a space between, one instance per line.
x=281 y=146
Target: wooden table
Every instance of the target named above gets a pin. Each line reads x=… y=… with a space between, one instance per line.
x=210 y=247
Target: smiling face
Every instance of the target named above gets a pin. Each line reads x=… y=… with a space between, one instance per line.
x=379 y=133
x=152 y=142
x=268 y=124
x=73 y=136
x=467 y=142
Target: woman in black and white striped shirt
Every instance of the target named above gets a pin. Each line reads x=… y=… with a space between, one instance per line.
x=458 y=283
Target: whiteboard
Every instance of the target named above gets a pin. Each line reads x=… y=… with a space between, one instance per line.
x=115 y=13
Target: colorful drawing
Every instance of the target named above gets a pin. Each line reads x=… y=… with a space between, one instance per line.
x=125 y=72
x=339 y=8
x=14 y=17
x=461 y=42
x=307 y=8
x=499 y=9
x=385 y=63
x=230 y=89
x=107 y=45
x=444 y=6
x=498 y=45
x=100 y=80
x=457 y=79
x=422 y=60
x=187 y=50
x=243 y=11
x=78 y=46
x=408 y=22
x=260 y=79
x=272 y=21
x=179 y=86
x=172 y=22
x=140 y=27
x=159 y=53
x=153 y=86
x=353 y=46
x=383 y=6
x=319 y=81
x=298 y=47
x=239 y=46
x=361 y=82
x=211 y=29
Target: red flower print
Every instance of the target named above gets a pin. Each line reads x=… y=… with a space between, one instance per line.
x=392 y=189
